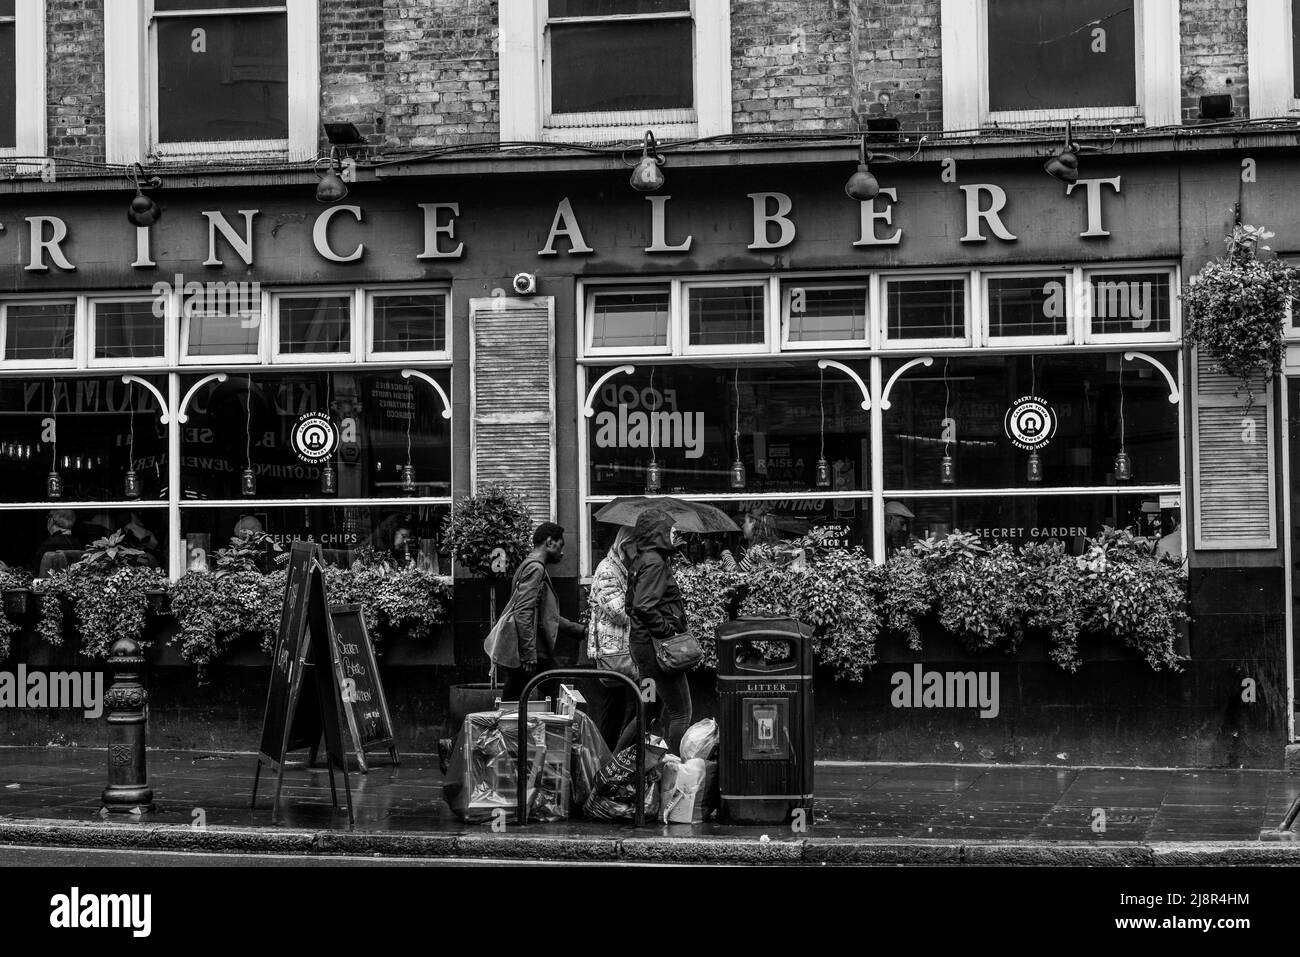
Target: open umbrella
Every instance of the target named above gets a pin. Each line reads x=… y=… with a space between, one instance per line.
x=687 y=516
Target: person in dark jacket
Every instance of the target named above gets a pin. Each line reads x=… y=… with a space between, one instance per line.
x=529 y=646
x=657 y=611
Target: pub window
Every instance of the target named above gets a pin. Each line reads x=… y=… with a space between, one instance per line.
x=1274 y=58
x=1129 y=305
x=629 y=320
x=818 y=314
x=610 y=69
x=52 y=537
x=22 y=77
x=927 y=310
x=310 y=325
x=1046 y=61
x=201 y=77
x=39 y=332
x=222 y=330
x=407 y=324
x=1030 y=307
x=726 y=316
x=128 y=331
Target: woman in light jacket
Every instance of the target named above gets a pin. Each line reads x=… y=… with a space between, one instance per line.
x=609 y=631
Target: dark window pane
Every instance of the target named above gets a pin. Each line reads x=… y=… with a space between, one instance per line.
x=410 y=323
x=1130 y=303
x=686 y=416
x=622 y=65
x=1081 y=391
x=127 y=330
x=1027 y=306
x=167 y=5
x=727 y=316
x=1021 y=519
x=235 y=88
x=607 y=8
x=1050 y=55
x=1295 y=47
x=7 y=8
x=97 y=437
x=315 y=325
x=8 y=86
x=404 y=535
x=43 y=540
x=622 y=319
x=40 y=330
x=926 y=309
x=216 y=443
x=212 y=334
x=826 y=314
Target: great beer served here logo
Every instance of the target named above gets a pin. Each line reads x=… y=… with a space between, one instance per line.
x=314 y=437
x=1030 y=422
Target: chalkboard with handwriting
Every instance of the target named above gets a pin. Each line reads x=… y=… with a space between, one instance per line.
x=364 y=704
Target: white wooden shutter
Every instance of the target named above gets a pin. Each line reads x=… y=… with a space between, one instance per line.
x=512 y=398
x=1234 y=480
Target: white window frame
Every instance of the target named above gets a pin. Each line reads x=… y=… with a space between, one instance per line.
x=367 y=314
x=525 y=82
x=29 y=82
x=130 y=102
x=257 y=357
x=964 y=29
x=771 y=319
x=891 y=344
x=1269 y=47
x=78 y=339
x=168 y=357
x=354 y=349
x=1067 y=279
x=789 y=284
x=1083 y=283
x=587 y=294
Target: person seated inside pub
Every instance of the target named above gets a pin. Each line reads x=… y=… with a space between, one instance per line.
x=61 y=548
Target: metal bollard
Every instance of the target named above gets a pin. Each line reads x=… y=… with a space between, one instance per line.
x=126 y=705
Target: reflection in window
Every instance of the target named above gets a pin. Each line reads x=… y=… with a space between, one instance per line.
x=43 y=540
x=128 y=330
x=222 y=334
x=223 y=76
x=926 y=308
x=8 y=77
x=1061 y=54
x=1083 y=393
x=1027 y=306
x=826 y=313
x=726 y=315
x=43 y=330
x=315 y=324
x=629 y=319
x=410 y=323
x=1130 y=303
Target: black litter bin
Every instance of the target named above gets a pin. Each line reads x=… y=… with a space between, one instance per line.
x=765 y=718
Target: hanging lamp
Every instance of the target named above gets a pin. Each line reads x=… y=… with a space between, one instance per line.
x=823 y=479
x=248 y=478
x=738 y=466
x=1123 y=464
x=947 y=468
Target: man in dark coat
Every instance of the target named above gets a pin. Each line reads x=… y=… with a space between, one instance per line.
x=528 y=644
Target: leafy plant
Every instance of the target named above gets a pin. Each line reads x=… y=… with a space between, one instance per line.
x=975 y=590
x=246 y=552
x=495 y=517
x=1054 y=599
x=112 y=551
x=1236 y=306
x=107 y=602
x=9 y=580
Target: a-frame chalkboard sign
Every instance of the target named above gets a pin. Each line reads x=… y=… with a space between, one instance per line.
x=304 y=697
x=364 y=704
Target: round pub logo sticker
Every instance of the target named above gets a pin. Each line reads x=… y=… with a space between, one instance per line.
x=314 y=437
x=1030 y=422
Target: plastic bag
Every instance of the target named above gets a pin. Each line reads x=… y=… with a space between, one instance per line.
x=613 y=795
x=681 y=788
x=590 y=754
x=700 y=740
x=483 y=772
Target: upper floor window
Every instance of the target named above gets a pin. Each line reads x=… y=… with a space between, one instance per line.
x=22 y=77
x=1274 y=57
x=602 y=70
x=203 y=77
x=1036 y=61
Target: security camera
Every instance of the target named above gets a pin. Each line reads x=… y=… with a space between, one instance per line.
x=525 y=283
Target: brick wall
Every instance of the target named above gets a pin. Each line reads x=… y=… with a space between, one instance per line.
x=897 y=44
x=74 y=72
x=1214 y=57
x=352 y=65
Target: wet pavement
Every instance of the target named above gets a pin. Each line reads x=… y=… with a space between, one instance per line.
x=910 y=802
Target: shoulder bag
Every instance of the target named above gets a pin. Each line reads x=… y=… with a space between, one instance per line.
x=679 y=652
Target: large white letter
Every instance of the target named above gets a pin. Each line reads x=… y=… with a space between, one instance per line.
x=762 y=217
x=974 y=214
x=1093 y=187
x=143 y=257
x=433 y=229
x=569 y=229
x=870 y=217
x=658 y=240
x=320 y=235
x=41 y=246
x=242 y=245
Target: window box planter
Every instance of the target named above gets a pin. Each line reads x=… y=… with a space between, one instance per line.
x=18 y=603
